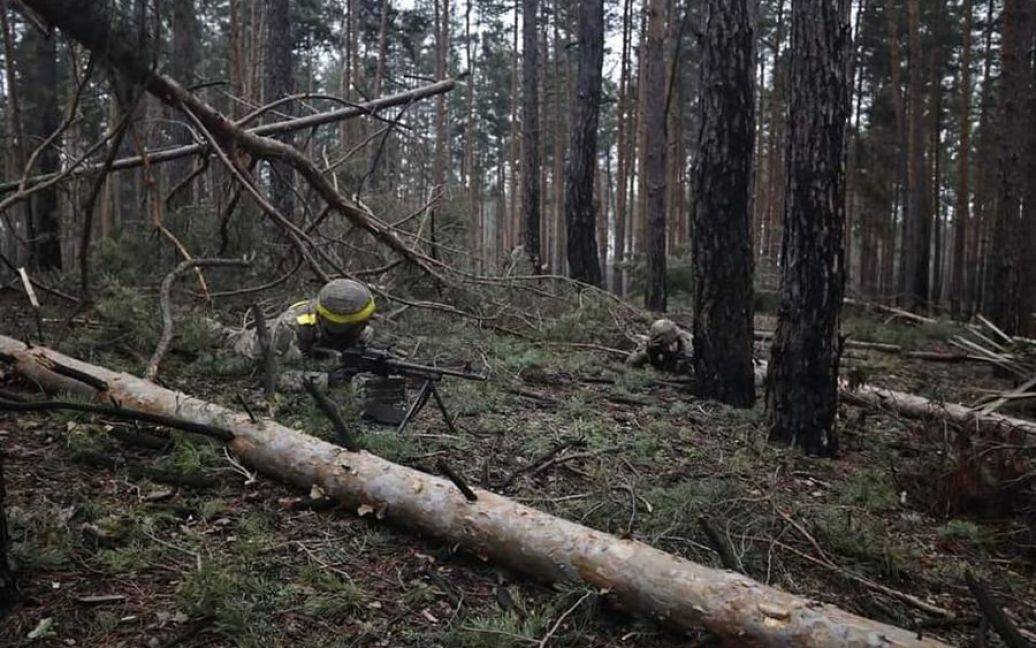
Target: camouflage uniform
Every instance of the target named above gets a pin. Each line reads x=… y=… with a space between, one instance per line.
x=336 y=319
x=667 y=347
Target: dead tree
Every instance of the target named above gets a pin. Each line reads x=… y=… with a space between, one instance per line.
x=722 y=247
x=802 y=389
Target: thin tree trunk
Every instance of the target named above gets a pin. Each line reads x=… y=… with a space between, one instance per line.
x=622 y=151
x=802 y=389
x=962 y=215
x=440 y=175
x=561 y=137
x=39 y=94
x=580 y=218
x=530 y=132
x=899 y=182
x=654 y=154
x=278 y=81
x=984 y=199
x=917 y=243
x=722 y=243
x=774 y=145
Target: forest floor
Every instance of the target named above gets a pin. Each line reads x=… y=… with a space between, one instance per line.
x=112 y=555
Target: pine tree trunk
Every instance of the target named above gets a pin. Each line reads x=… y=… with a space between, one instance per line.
x=17 y=152
x=39 y=93
x=802 y=390
x=962 y=214
x=917 y=243
x=440 y=174
x=622 y=152
x=580 y=218
x=722 y=243
x=1003 y=279
x=561 y=137
x=184 y=59
x=278 y=81
x=530 y=132
x=775 y=146
x=984 y=196
x=899 y=181
x=935 y=160
x=654 y=155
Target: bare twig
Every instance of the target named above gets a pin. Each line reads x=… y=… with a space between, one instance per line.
x=167 y=314
x=342 y=433
x=269 y=352
x=457 y=480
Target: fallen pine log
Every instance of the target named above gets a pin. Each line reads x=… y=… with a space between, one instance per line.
x=916 y=406
x=672 y=590
x=895 y=349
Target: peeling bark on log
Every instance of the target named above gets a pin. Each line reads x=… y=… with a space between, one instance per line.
x=664 y=587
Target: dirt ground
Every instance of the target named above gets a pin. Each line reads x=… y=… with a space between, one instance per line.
x=173 y=544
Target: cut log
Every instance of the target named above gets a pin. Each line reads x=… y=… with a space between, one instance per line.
x=677 y=592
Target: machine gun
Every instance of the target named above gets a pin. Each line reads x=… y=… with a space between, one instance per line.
x=380 y=362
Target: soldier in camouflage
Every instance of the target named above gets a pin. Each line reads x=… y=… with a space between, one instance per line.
x=338 y=318
x=667 y=347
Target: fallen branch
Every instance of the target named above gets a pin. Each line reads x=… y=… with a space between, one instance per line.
x=276 y=128
x=167 y=313
x=898 y=312
x=673 y=590
x=120 y=413
x=993 y=613
x=342 y=433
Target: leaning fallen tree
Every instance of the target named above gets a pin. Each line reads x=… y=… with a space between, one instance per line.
x=672 y=590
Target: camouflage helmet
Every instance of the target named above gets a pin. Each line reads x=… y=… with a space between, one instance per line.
x=343 y=306
x=663 y=333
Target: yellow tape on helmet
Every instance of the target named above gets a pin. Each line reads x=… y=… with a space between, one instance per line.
x=361 y=315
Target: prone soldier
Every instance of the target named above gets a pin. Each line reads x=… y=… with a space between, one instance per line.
x=666 y=347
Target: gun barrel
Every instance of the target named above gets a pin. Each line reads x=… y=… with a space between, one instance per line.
x=405 y=366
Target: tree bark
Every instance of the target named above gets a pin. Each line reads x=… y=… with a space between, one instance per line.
x=917 y=239
x=802 y=387
x=530 y=132
x=654 y=154
x=722 y=242
x=39 y=93
x=684 y=594
x=183 y=65
x=278 y=82
x=1003 y=279
x=580 y=217
x=440 y=172
x=962 y=214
